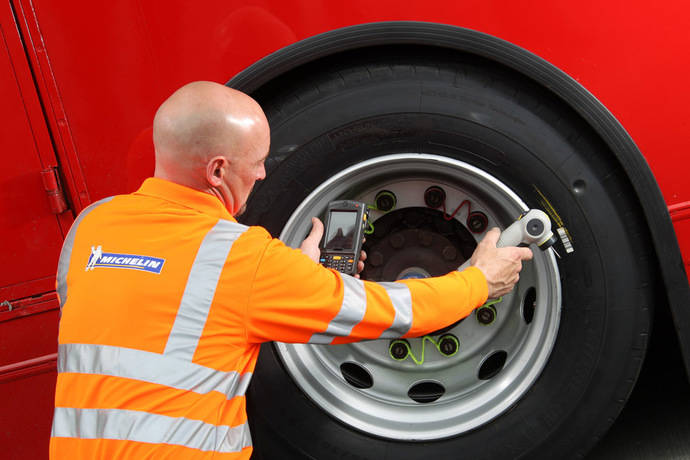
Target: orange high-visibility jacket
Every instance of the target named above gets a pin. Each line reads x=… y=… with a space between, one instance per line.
x=165 y=302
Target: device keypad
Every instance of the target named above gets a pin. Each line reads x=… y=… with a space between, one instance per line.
x=341 y=263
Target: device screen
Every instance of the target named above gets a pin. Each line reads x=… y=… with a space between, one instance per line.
x=341 y=230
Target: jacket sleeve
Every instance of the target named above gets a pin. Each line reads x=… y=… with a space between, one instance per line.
x=292 y=299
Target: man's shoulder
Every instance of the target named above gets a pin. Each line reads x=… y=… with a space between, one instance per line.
x=261 y=240
x=254 y=232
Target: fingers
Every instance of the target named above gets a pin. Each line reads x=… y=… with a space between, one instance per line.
x=500 y=266
x=491 y=237
x=316 y=231
x=310 y=245
x=360 y=263
x=525 y=253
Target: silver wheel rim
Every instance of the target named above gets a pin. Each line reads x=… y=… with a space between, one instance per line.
x=385 y=409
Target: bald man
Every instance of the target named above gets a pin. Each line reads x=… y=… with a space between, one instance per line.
x=213 y=139
x=159 y=335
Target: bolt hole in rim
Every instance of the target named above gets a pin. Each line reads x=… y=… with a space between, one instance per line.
x=387 y=407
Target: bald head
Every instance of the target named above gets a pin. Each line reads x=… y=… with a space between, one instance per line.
x=202 y=123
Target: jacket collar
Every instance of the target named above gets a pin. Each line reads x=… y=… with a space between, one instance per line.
x=184 y=196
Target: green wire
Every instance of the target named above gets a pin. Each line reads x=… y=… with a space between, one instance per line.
x=419 y=361
x=370 y=229
x=493 y=302
x=426 y=338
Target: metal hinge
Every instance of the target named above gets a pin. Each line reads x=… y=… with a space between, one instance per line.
x=56 y=197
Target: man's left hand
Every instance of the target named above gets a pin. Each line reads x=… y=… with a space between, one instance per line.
x=310 y=245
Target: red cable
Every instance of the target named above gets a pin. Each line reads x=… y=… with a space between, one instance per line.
x=447 y=217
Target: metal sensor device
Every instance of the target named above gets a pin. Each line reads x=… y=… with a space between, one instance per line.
x=532 y=227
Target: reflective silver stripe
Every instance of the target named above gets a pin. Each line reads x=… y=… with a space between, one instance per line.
x=401 y=299
x=66 y=252
x=350 y=314
x=129 y=425
x=149 y=367
x=201 y=287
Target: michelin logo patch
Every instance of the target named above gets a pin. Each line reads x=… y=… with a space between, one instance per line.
x=98 y=258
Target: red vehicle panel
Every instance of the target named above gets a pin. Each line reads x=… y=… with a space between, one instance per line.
x=80 y=84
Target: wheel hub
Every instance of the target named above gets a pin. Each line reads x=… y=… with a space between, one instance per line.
x=437 y=386
x=415 y=243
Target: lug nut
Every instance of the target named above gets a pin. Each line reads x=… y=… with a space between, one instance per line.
x=385 y=200
x=449 y=253
x=434 y=196
x=448 y=345
x=477 y=222
x=375 y=259
x=399 y=349
x=486 y=314
x=397 y=240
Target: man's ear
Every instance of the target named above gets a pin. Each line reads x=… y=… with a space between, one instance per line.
x=215 y=171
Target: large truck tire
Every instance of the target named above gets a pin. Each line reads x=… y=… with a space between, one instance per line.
x=547 y=376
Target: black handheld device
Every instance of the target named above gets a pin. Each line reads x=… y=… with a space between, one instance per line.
x=342 y=243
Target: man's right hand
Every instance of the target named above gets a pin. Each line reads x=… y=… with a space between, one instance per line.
x=500 y=266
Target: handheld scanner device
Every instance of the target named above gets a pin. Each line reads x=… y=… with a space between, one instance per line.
x=532 y=227
x=343 y=234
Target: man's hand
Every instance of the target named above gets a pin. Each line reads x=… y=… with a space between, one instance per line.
x=500 y=266
x=360 y=264
x=310 y=245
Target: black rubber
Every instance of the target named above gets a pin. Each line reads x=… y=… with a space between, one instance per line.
x=362 y=105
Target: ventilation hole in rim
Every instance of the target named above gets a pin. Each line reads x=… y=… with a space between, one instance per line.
x=529 y=305
x=426 y=392
x=356 y=375
x=492 y=365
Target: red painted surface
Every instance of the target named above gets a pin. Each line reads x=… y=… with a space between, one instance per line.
x=129 y=55
x=31 y=233
x=27 y=376
x=80 y=82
